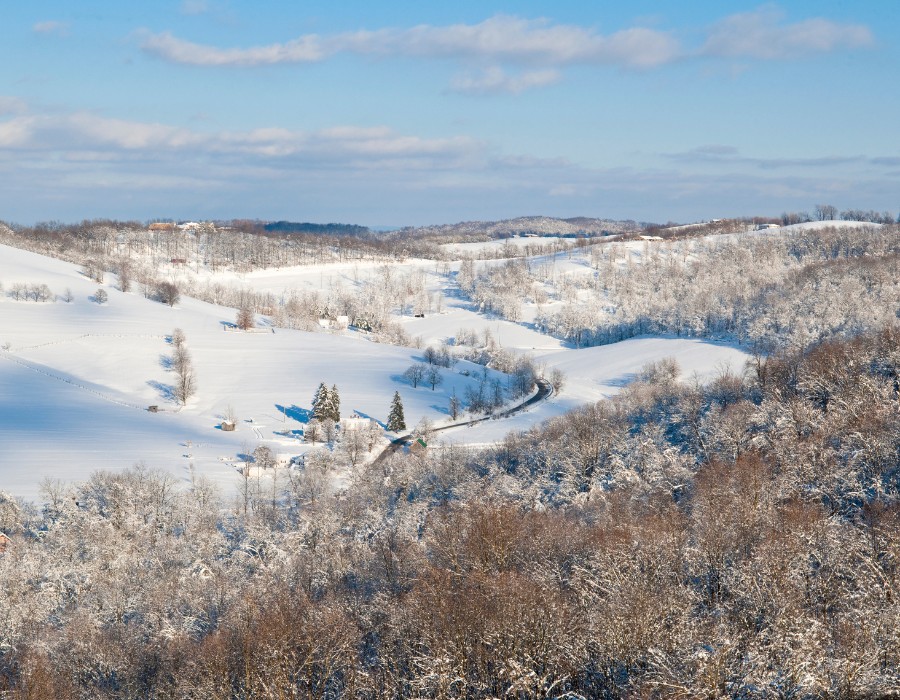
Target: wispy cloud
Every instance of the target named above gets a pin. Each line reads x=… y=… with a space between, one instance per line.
x=305 y=49
x=194 y=7
x=495 y=80
x=502 y=38
x=85 y=133
x=763 y=34
x=90 y=164
x=536 y=48
x=51 y=27
x=728 y=156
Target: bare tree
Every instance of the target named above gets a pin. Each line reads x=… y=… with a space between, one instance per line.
x=168 y=293
x=245 y=320
x=557 y=379
x=415 y=373
x=433 y=376
x=264 y=457
x=185 y=382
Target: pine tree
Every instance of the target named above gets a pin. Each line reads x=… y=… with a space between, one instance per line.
x=396 y=421
x=334 y=404
x=320 y=403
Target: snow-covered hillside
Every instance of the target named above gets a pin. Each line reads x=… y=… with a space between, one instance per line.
x=77 y=378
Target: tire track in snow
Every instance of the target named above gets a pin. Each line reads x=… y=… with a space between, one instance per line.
x=90 y=335
x=35 y=368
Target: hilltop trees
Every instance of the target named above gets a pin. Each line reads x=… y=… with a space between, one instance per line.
x=396 y=421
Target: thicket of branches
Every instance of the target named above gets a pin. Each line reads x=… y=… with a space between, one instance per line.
x=740 y=539
x=778 y=290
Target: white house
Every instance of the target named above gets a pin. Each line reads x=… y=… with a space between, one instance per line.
x=355 y=422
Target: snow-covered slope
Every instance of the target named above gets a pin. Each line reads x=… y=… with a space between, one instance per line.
x=78 y=377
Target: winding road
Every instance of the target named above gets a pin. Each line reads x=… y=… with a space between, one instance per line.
x=545 y=391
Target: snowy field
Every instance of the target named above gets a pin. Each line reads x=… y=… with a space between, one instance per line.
x=77 y=377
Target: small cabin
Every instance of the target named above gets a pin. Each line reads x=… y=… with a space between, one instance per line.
x=227 y=426
x=418 y=447
x=4 y=542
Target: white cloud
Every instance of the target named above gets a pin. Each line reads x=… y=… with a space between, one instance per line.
x=762 y=34
x=84 y=134
x=537 y=49
x=305 y=49
x=51 y=27
x=498 y=39
x=518 y=41
x=495 y=80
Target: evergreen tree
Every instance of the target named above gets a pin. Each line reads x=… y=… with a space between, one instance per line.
x=334 y=404
x=396 y=421
x=320 y=403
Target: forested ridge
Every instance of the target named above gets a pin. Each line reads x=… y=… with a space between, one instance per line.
x=740 y=539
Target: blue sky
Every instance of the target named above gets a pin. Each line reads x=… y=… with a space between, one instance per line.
x=412 y=113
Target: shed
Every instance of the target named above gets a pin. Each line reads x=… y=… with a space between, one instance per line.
x=227 y=425
x=418 y=447
x=4 y=542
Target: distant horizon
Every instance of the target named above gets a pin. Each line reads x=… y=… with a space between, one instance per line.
x=379 y=228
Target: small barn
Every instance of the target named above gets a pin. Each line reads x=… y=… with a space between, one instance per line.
x=4 y=542
x=227 y=426
x=418 y=447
